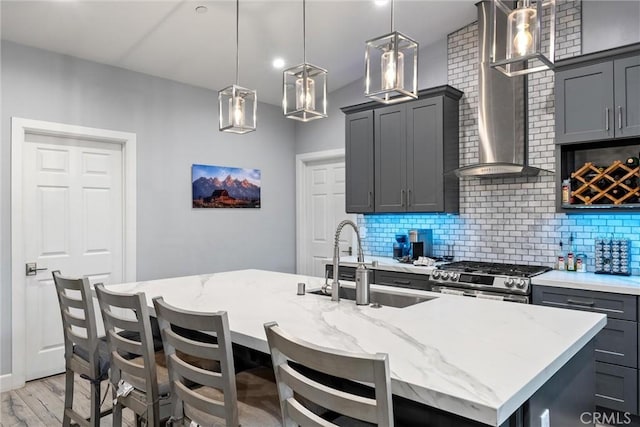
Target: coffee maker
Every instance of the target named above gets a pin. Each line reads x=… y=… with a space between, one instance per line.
x=421 y=242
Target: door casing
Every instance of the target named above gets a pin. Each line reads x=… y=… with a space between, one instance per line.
x=20 y=127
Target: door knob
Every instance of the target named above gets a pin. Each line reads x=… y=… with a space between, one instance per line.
x=31 y=269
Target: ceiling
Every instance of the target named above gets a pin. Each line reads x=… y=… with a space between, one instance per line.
x=169 y=39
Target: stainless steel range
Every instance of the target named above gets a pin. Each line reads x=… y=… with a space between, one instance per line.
x=507 y=282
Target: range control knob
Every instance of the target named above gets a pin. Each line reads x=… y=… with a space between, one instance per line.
x=521 y=284
x=454 y=276
x=445 y=275
x=435 y=274
x=509 y=283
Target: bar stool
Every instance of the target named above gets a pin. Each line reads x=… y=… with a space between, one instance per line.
x=138 y=382
x=301 y=395
x=84 y=353
x=210 y=396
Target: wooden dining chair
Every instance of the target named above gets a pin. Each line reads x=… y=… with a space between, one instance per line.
x=214 y=395
x=133 y=360
x=84 y=353
x=301 y=394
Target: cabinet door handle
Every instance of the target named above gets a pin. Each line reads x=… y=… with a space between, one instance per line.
x=606 y=119
x=369 y=199
x=401 y=197
x=402 y=282
x=409 y=197
x=619 y=117
x=582 y=303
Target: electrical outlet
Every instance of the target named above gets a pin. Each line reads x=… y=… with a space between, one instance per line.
x=544 y=419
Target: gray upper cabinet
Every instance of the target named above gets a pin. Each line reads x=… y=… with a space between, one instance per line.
x=359 y=162
x=414 y=144
x=627 y=96
x=598 y=97
x=584 y=103
x=390 y=159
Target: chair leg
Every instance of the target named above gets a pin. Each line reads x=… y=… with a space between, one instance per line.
x=117 y=415
x=95 y=404
x=68 y=397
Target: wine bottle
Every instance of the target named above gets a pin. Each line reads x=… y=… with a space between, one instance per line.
x=632 y=162
x=631 y=182
x=561 y=262
x=571 y=257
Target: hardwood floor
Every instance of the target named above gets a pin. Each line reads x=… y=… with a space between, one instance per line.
x=41 y=403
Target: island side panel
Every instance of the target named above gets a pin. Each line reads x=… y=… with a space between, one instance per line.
x=568 y=394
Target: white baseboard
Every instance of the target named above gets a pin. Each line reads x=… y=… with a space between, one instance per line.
x=6 y=382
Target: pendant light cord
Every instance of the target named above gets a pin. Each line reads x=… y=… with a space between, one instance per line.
x=392 y=2
x=304 y=31
x=237 y=40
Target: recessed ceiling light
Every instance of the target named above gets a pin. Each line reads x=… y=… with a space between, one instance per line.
x=381 y=2
x=278 y=63
x=201 y=9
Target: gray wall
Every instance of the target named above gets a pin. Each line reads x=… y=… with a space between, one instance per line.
x=607 y=24
x=326 y=134
x=176 y=126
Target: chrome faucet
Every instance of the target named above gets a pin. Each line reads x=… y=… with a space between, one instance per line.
x=362 y=278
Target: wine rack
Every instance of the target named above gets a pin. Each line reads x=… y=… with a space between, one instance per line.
x=617 y=184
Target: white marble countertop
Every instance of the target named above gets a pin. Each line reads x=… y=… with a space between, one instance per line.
x=480 y=359
x=384 y=263
x=590 y=281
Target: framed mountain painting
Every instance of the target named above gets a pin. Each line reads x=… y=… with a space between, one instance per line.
x=224 y=187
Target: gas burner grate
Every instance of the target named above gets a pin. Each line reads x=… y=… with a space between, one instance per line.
x=495 y=268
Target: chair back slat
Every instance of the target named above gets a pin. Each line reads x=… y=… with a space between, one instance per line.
x=70 y=302
x=195 y=374
x=112 y=303
x=359 y=407
x=78 y=340
x=193 y=348
x=76 y=321
x=302 y=416
x=191 y=398
x=126 y=345
x=180 y=330
x=368 y=368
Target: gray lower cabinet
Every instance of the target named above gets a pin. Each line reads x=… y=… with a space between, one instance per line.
x=359 y=162
x=344 y=273
x=616 y=346
x=402 y=280
x=617 y=387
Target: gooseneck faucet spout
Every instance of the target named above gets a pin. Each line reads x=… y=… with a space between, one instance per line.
x=335 y=284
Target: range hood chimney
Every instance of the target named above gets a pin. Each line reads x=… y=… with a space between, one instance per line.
x=502 y=112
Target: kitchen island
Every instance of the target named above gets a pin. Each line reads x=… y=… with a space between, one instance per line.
x=482 y=360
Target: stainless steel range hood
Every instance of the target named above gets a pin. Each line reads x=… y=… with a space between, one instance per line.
x=502 y=113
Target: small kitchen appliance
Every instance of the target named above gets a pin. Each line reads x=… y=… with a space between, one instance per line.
x=421 y=243
x=506 y=282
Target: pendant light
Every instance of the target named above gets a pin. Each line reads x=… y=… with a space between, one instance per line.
x=304 y=87
x=391 y=67
x=523 y=38
x=237 y=106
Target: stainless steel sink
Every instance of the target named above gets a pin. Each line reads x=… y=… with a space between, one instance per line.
x=379 y=298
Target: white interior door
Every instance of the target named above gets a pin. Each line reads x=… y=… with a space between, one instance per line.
x=73 y=222
x=324 y=209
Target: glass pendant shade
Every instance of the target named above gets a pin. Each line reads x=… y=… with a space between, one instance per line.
x=391 y=68
x=304 y=87
x=305 y=92
x=237 y=107
x=523 y=39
